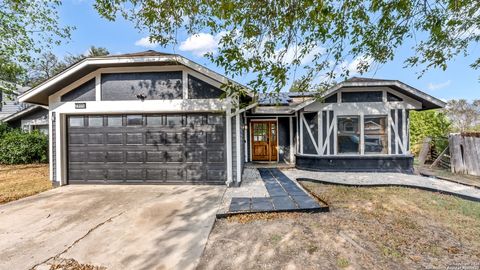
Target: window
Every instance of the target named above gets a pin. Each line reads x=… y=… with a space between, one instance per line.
x=348 y=136
x=366 y=96
x=95 y=121
x=174 y=120
x=375 y=134
x=331 y=99
x=154 y=120
x=392 y=97
x=114 y=121
x=75 y=121
x=134 y=120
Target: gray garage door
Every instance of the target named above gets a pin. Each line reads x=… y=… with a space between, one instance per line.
x=161 y=148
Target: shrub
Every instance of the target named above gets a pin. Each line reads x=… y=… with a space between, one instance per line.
x=4 y=128
x=431 y=123
x=17 y=147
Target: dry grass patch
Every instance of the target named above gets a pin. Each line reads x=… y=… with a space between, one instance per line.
x=366 y=228
x=18 y=181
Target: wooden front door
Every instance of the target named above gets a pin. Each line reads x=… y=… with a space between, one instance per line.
x=264 y=141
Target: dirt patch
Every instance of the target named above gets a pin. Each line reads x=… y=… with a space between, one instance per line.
x=366 y=228
x=71 y=264
x=18 y=181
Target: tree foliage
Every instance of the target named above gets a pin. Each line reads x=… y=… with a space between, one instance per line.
x=48 y=64
x=431 y=123
x=272 y=39
x=465 y=116
x=27 y=27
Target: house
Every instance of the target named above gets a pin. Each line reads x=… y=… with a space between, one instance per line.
x=160 y=118
x=31 y=118
x=9 y=103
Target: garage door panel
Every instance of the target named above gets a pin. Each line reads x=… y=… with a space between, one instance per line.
x=95 y=138
x=167 y=149
x=115 y=156
x=134 y=138
x=155 y=175
x=95 y=174
x=95 y=156
x=175 y=156
x=174 y=138
x=174 y=174
x=134 y=175
x=135 y=156
x=115 y=138
x=76 y=139
x=215 y=156
x=156 y=156
x=116 y=175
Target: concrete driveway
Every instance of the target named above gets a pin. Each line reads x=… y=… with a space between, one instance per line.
x=118 y=227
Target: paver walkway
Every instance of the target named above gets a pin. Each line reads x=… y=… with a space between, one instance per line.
x=284 y=195
x=387 y=179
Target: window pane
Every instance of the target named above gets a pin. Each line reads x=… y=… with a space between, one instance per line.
x=154 y=120
x=375 y=132
x=76 y=121
x=95 y=121
x=134 y=120
x=367 y=96
x=174 y=120
x=348 y=135
x=114 y=121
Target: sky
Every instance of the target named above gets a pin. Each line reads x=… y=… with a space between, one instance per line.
x=120 y=36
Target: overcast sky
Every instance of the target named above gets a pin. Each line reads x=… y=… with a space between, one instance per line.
x=458 y=81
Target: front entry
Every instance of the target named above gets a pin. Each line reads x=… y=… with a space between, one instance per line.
x=264 y=140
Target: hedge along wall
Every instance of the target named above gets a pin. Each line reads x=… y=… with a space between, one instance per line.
x=18 y=147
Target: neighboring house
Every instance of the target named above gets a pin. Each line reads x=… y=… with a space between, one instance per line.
x=9 y=103
x=159 y=118
x=31 y=118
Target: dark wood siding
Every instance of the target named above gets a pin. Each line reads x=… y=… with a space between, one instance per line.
x=85 y=92
x=198 y=89
x=152 y=85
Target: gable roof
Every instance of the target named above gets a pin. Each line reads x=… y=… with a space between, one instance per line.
x=428 y=101
x=23 y=113
x=39 y=94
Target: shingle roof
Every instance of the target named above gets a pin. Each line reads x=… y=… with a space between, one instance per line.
x=138 y=54
x=282 y=98
x=363 y=79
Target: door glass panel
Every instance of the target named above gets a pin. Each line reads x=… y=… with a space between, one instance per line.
x=114 y=121
x=95 y=121
x=154 y=120
x=375 y=132
x=260 y=132
x=75 y=121
x=134 y=120
x=348 y=136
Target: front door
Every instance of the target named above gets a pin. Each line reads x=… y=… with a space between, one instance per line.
x=264 y=141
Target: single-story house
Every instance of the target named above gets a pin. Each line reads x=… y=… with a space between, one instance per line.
x=9 y=103
x=160 y=118
x=31 y=118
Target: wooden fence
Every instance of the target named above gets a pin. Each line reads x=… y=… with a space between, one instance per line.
x=465 y=153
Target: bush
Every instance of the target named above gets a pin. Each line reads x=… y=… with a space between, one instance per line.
x=17 y=147
x=431 y=123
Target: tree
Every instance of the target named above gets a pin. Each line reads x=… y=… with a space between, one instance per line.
x=431 y=123
x=272 y=39
x=48 y=64
x=465 y=116
x=26 y=28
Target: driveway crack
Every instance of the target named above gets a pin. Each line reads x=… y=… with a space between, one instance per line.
x=78 y=240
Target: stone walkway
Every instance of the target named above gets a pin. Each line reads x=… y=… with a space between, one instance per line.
x=387 y=179
x=283 y=195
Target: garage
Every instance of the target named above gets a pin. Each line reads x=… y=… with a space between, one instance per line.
x=146 y=148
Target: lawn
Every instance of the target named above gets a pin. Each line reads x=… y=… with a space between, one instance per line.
x=18 y=181
x=367 y=228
